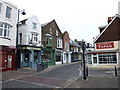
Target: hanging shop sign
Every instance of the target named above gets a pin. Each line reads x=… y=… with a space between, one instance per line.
x=105 y=45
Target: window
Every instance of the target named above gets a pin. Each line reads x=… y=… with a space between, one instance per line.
x=34 y=25
x=107 y=58
x=4 y=29
x=59 y=43
x=56 y=32
x=48 y=40
x=20 y=37
x=0 y=8
x=67 y=46
x=34 y=38
x=8 y=12
x=50 y=30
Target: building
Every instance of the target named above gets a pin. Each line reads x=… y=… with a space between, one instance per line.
x=76 y=54
x=8 y=20
x=52 y=42
x=107 y=43
x=29 y=43
x=66 y=48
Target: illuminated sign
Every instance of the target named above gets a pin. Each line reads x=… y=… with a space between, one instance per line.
x=104 y=45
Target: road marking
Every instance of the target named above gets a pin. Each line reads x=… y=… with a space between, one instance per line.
x=48 y=77
x=72 y=81
x=36 y=83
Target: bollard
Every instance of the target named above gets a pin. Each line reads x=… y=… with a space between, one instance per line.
x=86 y=71
x=115 y=71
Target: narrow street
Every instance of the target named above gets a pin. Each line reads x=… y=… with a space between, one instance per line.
x=56 y=78
x=66 y=76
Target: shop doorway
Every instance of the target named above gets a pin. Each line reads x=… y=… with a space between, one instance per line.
x=95 y=61
x=26 y=60
x=9 y=64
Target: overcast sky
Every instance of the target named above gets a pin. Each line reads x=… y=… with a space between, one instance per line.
x=81 y=18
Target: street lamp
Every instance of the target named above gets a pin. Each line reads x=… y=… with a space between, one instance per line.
x=23 y=13
x=83 y=49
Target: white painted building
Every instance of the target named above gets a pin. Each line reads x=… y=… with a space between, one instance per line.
x=8 y=20
x=29 y=32
x=29 y=42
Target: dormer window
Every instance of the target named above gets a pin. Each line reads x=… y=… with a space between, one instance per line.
x=8 y=12
x=34 y=25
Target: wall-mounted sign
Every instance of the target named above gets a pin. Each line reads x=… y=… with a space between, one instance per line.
x=105 y=45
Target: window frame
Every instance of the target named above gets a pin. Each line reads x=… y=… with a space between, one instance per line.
x=59 y=43
x=34 y=25
x=3 y=27
x=8 y=12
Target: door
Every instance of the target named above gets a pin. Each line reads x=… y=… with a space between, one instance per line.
x=9 y=64
x=95 y=61
x=26 y=60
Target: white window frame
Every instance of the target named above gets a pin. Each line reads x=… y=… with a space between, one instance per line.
x=34 y=37
x=8 y=12
x=59 y=43
x=3 y=28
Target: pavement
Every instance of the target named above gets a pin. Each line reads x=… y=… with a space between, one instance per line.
x=106 y=80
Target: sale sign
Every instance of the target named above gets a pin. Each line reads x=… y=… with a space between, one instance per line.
x=105 y=45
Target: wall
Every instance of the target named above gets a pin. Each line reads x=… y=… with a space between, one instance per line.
x=12 y=21
x=26 y=30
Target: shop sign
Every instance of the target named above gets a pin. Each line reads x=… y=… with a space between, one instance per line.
x=105 y=45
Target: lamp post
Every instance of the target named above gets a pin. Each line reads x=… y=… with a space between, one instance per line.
x=23 y=13
x=83 y=49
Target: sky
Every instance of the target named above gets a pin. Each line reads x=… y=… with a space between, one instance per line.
x=80 y=18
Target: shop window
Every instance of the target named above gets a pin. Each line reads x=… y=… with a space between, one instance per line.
x=35 y=56
x=107 y=58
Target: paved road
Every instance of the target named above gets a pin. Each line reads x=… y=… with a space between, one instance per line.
x=58 y=77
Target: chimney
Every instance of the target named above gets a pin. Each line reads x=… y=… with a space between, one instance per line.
x=109 y=19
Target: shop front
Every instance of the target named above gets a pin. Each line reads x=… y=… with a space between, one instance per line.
x=28 y=57
x=7 y=58
x=59 y=56
x=106 y=53
x=48 y=56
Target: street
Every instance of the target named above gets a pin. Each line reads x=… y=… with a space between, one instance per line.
x=59 y=77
